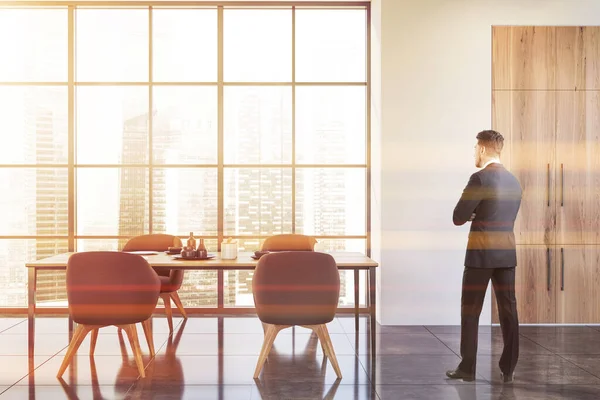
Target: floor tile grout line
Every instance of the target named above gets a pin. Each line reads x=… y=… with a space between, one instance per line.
x=10 y=327
x=567 y=360
x=356 y=355
x=30 y=372
x=440 y=340
x=153 y=357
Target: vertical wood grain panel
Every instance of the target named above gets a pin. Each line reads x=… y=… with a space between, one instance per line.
x=502 y=122
x=533 y=58
x=578 y=167
x=535 y=303
x=570 y=62
x=501 y=61
x=579 y=302
x=591 y=39
x=532 y=151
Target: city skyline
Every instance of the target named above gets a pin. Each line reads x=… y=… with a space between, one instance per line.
x=113 y=128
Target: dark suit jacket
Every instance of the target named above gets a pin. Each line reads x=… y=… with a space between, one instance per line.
x=494 y=195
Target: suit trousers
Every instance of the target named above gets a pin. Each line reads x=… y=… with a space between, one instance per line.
x=474 y=286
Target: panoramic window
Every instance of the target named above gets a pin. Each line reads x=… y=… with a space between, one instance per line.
x=224 y=122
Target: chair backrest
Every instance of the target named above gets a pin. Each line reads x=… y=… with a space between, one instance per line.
x=110 y=288
x=152 y=242
x=157 y=242
x=296 y=288
x=291 y=242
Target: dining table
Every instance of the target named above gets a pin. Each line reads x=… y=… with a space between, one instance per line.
x=352 y=261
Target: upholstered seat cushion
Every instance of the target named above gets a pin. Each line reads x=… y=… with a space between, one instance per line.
x=110 y=288
x=166 y=285
x=296 y=288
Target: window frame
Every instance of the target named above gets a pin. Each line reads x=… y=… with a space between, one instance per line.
x=360 y=280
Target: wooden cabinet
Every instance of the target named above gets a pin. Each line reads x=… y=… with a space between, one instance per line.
x=532 y=146
x=526 y=119
x=546 y=102
x=578 y=284
x=578 y=167
x=535 y=285
x=546 y=58
x=577 y=58
x=523 y=57
x=557 y=284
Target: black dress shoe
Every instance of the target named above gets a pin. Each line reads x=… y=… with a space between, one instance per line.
x=458 y=374
x=508 y=378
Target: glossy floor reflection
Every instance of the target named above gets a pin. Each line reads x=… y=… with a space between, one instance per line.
x=214 y=357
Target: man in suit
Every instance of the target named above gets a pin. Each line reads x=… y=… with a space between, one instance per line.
x=491 y=201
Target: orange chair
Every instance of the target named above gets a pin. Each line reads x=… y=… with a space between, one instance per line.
x=290 y=242
x=170 y=280
x=296 y=288
x=110 y=288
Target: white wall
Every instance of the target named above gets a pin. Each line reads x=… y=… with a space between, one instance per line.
x=435 y=72
x=376 y=140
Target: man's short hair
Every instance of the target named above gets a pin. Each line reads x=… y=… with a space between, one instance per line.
x=491 y=140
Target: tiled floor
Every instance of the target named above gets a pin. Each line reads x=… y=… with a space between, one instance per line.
x=214 y=358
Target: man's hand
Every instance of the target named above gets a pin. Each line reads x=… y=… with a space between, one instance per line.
x=472 y=217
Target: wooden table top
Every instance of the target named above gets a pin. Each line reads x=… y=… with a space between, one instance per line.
x=344 y=260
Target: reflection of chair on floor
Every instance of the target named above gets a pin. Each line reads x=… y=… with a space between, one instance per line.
x=170 y=280
x=164 y=374
x=296 y=288
x=109 y=288
x=286 y=364
x=128 y=375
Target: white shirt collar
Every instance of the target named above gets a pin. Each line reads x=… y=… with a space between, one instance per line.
x=493 y=160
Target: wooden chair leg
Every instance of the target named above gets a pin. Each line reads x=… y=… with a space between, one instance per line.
x=270 y=335
x=166 y=297
x=122 y=347
x=147 y=326
x=135 y=346
x=314 y=329
x=178 y=304
x=323 y=334
x=80 y=333
x=265 y=327
x=93 y=341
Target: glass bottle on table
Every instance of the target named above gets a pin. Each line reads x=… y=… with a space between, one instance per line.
x=191 y=242
x=201 y=252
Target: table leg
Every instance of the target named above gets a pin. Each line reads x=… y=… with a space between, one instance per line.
x=31 y=287
x=31 y=282
x=372 y=308
x=356 y=302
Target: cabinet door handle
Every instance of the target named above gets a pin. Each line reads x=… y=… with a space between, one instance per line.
x=562 y=185
x=548 y=191
x=548 y=262
x=562 y=268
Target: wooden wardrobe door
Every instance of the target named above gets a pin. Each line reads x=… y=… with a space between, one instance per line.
x=577 y=57
x=502 y=122
x=532 y=153
x=534 y=285
x=532 y=57
x=578 y=167
x=501 y=65
x=570 y=65
x=578 y=280
x=591 y=49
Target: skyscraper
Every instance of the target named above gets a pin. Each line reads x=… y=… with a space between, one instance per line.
x=49 y=214
x=134 y=203
x=187 y=196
